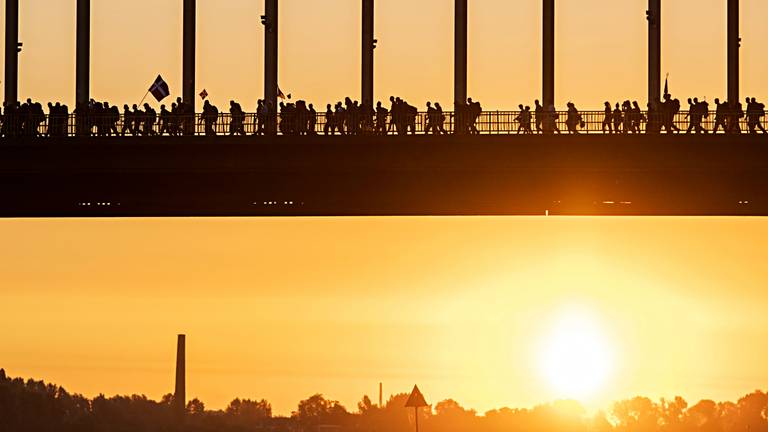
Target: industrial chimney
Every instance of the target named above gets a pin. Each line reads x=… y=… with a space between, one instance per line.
x=179 y=396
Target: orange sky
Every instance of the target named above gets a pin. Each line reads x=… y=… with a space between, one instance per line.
x=601 y=49
x=282 y=308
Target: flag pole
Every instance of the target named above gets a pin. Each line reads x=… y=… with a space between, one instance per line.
x=145 y=96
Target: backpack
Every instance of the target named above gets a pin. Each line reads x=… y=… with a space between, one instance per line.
x=704 y=107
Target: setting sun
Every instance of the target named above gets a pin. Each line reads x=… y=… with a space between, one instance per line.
x=575 y=358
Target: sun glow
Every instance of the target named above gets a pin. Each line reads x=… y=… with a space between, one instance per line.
x=576 y=358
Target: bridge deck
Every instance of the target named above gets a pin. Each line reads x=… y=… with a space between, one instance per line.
x=414 y=175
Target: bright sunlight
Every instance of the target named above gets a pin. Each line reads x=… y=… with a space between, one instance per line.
x=575 y=357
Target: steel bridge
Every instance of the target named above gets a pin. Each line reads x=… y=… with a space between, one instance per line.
x=495 y=173
x=270 y=21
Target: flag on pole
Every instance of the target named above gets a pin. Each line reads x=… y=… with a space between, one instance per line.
x=666 y=86
x=160 y=89
x=280 y=93
x=203 y=94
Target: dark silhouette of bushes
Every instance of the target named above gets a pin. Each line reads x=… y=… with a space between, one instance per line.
x=34 y=406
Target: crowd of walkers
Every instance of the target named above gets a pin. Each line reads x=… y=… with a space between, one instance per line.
x=353 y=118
x=300 y=118
x=661 y=116
x=24 y=119
x=626 y=117
x=138 y=121
x=93 y=119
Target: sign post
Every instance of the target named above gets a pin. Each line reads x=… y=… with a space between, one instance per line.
x=416 y=400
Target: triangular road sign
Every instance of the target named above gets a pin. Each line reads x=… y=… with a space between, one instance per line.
x=416 y=399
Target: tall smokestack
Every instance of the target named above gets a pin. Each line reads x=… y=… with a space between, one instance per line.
x=179 y=396
x=381 y=396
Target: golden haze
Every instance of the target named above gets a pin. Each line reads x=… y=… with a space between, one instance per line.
x=284 y=308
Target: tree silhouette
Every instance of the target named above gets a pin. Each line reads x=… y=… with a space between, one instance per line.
x=34 y=406
x=317 y=410
x=195 y=407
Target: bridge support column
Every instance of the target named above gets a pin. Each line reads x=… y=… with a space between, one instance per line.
x=367 y=54
x=83 y=63
x=460 y=63
x=734 y=44
x=270 y=21
x=11 y=51
x=188 y=69
x=654 y=50
x=189 y=63
x=548 y=51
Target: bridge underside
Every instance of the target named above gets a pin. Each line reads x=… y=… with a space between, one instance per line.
x=362 y=176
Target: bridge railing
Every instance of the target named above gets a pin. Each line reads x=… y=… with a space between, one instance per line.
x=487 y=123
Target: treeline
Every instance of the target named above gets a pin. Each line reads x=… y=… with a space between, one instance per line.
x=36 y=406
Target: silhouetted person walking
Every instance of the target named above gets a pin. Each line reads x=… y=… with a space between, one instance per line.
x=410 y=112
x=618 y=119
x=209 y=117
x=394 y=114
x=735 y=114
x=431 y=119
x=165 y=120
x=475 y=110
x=175 y=120
x=721 y=116
x=519 y=119
x=549 y=123
x=673 y=112
x=538 y=111
x=312 y=122
x=150 y=117
x=440 y=116
x=637 y=117
x=339 y=119
x=328 y=126
x=573 y=120
x=381 y=119
x=527 y=118
x=261 y=117
x=138 y=118
x=237 y=119
x=755 y=111
x=608 y=118
x=112 y=117
x=695 y=116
